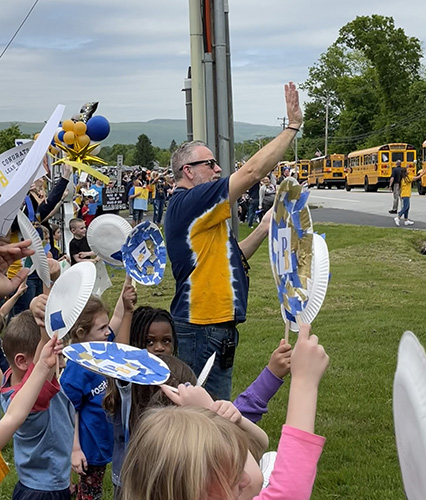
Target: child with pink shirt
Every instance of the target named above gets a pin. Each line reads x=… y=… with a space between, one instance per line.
x=198 y=453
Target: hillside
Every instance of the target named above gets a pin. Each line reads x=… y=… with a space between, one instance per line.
x=161 y=132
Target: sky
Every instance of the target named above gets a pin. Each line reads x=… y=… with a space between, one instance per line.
x=132 y=55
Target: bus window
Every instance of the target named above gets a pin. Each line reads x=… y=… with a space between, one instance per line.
x=337 y=164
x=328 y=163
x=385 y=158
x=410 y=155
x=397 y=155
x=373 y=158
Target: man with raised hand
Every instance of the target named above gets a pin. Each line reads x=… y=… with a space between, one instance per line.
x=209 y=266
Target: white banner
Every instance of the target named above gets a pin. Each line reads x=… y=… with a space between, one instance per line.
x=15 y=192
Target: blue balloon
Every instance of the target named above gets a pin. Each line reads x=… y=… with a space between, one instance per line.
x=98 y=128
x=61 y=135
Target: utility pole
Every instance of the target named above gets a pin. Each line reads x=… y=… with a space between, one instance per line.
x=282 y=118
x=326 y=127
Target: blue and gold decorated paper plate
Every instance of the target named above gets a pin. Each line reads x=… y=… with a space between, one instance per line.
x=144 y=254
x=119 y=361
x=299 y=258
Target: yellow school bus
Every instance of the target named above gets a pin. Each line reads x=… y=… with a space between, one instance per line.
x=421 y=184
x=302 y=167
x=371 y=168
x=327 y=171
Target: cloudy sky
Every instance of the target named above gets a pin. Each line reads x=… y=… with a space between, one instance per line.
x=132 y=55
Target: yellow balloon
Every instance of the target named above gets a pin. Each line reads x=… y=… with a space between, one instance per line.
x=68 y=125
x=80 y=128
x=82 y=140
x=69 y=137
x=57 y=139
x=53 y=150
x=36 y=136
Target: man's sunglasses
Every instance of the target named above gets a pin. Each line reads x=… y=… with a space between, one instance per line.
x=211 y=163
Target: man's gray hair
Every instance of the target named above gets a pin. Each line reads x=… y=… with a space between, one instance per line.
x=184 y=154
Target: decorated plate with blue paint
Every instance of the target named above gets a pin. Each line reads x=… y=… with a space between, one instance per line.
x=291 y=248
x=68 y=297
x=106 y=235
x=144 y=254
x=119 y=361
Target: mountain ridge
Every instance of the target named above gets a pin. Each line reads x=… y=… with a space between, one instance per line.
x=160 y=131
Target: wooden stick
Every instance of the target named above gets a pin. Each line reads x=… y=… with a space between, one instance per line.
x=287 y=330
x=134 y=283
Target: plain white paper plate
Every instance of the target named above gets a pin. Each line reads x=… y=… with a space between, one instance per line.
x=68 y=297
x=409 y=413
x=106 y=235
x=29 y=232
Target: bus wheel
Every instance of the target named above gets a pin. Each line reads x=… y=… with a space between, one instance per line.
x=329 y=186
x=421 y=190
x=347 y=186
x=366 y=185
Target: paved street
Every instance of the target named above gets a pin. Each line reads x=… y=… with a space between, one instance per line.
x=361 y=208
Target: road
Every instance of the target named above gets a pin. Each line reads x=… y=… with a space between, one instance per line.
x=361 y=208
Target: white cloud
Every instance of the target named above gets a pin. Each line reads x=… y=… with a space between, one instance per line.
x=132 y=56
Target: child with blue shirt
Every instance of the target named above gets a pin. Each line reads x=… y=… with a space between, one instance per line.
x=43 y=443
x=93 y=438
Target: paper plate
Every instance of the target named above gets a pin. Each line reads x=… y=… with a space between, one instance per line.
x=291 y=248
x=106 y=235
x=119 y=361
x=29 y=232
x=144 y=254
x=317 y=286
x=68 y=297
x=409 y=412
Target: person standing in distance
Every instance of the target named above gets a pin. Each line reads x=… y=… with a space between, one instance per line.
x=208 y=264
x=395 y=186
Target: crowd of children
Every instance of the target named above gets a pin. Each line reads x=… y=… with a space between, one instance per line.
x=205 y=450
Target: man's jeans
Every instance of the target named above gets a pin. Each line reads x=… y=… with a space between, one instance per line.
x=196 y=343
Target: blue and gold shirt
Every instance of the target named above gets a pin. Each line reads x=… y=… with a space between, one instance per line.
x=207 y=263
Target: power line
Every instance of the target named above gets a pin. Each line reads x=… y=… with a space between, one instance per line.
x=19 y=28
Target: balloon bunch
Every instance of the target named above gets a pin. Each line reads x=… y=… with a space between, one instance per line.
x=79 y=137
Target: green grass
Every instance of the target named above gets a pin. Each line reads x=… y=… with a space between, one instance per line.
x=376 y=292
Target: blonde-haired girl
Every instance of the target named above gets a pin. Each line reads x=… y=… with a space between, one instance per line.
x=186 y=456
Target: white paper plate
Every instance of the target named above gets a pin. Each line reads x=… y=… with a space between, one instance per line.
x=106 y=235
x=317 y=287
x=39 y=259
x=409 y=412
x=68 y=297
x=119 y=361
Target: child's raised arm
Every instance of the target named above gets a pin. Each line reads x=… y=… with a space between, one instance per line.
x=25 y=398
x=253 y=402
x=128 y=299
x=308 y=364
x=118 y=314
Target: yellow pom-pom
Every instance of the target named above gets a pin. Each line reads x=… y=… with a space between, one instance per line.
x=36 y=136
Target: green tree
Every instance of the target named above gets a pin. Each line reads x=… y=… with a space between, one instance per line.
x=173 y=146
x=8 y=136
x=367 y=77
x=145 y=154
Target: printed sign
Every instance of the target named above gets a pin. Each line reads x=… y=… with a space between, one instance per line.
x=284 y=251
x=10 y=161
x=114 y=199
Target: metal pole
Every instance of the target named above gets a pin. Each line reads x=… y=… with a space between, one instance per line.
x=197 y=72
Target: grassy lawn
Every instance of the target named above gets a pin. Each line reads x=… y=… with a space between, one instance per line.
x=376 y=292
